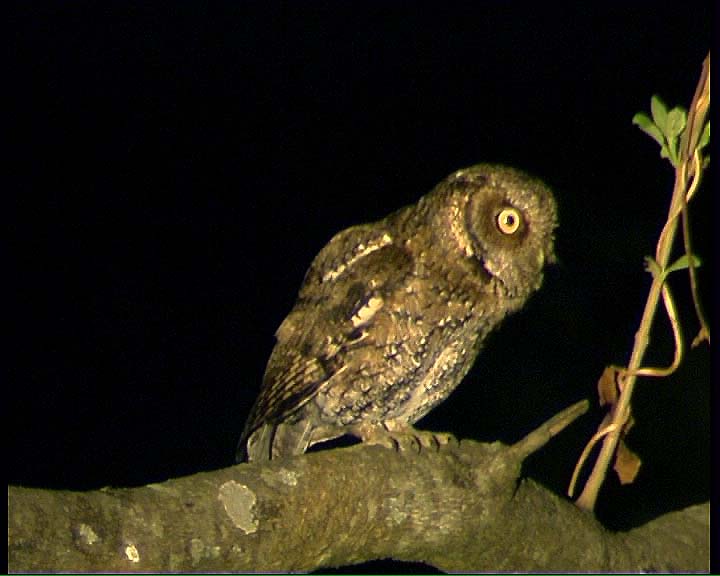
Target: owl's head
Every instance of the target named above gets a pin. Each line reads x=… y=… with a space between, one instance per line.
x=509 y=220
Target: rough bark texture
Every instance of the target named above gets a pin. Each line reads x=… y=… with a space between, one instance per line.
x=458 y=509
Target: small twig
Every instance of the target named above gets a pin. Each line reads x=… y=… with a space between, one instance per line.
x=696 y=123
x=704 y=332
x=542 y=435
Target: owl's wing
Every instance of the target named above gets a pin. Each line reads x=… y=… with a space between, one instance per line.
x=346 y=282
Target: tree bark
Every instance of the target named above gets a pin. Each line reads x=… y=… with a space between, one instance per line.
x=459 y=509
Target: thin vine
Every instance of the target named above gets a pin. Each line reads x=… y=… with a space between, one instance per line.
x=682 y=136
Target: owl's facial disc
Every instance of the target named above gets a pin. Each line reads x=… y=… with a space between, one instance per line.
x=509 y=222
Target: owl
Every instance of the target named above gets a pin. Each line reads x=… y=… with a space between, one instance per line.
x=391 y=315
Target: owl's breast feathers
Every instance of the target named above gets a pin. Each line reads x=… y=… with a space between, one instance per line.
x=372 y=313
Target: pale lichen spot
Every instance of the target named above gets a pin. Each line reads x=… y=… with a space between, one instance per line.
x=239 y=501
x=280 y=477
x=87 y=534
x=288 y=477
x=396 y=513
x=200 y=551
x=132 y=554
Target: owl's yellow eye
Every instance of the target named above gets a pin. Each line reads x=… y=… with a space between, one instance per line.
x=508 y=220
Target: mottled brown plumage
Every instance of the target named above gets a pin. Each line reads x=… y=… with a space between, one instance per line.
x=392 y=314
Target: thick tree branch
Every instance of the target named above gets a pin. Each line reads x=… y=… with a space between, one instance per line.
x=458 y=509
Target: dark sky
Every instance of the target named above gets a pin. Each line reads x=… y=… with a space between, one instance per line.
x=177 y=165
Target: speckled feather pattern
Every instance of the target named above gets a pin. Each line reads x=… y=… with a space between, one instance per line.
x=391 y=315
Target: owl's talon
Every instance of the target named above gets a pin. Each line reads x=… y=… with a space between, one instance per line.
x=435 y=440
x=384 y=440
x=445 y=439
x=408 y=439
x=412 y=443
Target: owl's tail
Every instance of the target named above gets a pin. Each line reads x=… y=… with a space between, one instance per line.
x=274 y=440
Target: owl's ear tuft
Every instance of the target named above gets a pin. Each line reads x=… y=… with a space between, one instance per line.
x=474 y=177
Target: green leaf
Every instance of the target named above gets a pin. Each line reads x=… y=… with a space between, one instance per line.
x=642 y=121
x=704 y=137
x=683 y=262
x=675 y=123
x=672 y=148
x=659 y=112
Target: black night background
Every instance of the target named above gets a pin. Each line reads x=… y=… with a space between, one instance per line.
x=175 y=167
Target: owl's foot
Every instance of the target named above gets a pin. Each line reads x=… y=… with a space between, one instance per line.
x=405 y=438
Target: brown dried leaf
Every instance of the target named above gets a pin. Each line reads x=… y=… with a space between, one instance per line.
x=627 y=463
x=607 y=387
